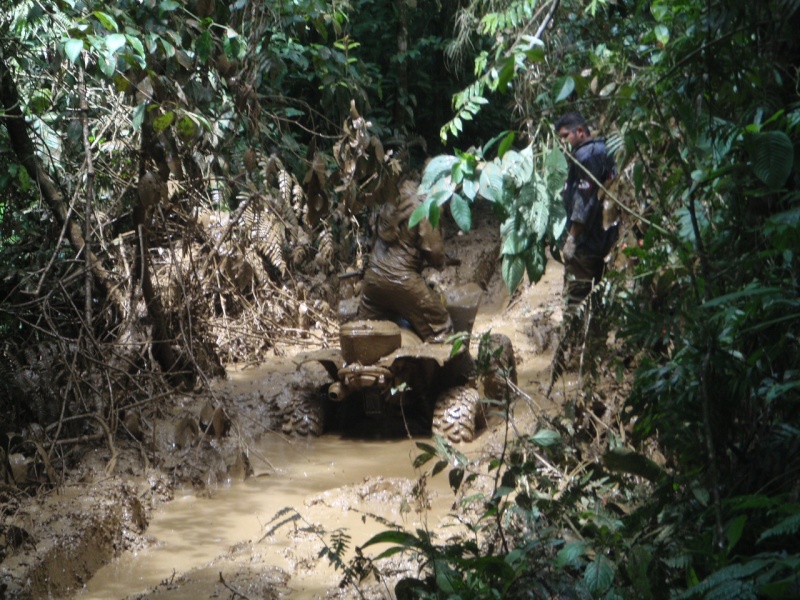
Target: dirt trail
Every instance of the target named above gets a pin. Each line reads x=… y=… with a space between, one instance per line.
x=210 y=543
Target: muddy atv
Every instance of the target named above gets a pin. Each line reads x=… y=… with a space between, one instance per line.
x=386 y=373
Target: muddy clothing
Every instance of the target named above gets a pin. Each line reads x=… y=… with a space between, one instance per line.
x=393 y=286
x=583 y=206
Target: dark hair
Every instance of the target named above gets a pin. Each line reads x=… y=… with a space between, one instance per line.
x=572 y=120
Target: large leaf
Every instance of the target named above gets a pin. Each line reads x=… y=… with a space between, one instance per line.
x=115 y=41
x=599 y=575
x=461 y=212
x=538 y=217
x=570 y=553
x=563 y=88
x=73 y=49
x=518 y=165
x=513 y=269
x=558 y=219
x=470 y=188
x=491 y=186
x=437 y=167
x=772 y=156
x=555 y=170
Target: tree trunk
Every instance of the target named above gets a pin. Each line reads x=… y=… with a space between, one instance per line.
x=22 y=145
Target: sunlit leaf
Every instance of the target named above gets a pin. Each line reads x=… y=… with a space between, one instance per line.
x=491 y=184
x=115 y=41
x=169 y=6
x=563 y=88
x=662 y=34
x=73 y=49
x=470 y=188
x=161 y=122
x=545 y=437
x=506 y=143
x=106 y=20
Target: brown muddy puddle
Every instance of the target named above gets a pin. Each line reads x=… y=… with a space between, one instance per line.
x=305 y=474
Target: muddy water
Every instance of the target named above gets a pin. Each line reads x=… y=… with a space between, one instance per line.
x=333 y=482
x=192 y=531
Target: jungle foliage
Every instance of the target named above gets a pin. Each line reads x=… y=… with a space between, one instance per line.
x=699 y=103
x=181 y=183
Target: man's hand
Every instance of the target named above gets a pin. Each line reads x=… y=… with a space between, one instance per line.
x=568 y=252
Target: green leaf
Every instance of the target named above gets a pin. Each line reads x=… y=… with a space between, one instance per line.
x=434 y=215
x=187 y=128
x=506 y=74
x=440 y=466
x=505 y=144
x=538 y=217
x=599 y=575
x=491 y=185
x=637 y=565
x=535 y=263
x=570 y=553
x=470 y=188
x=115 y=41
x=662 y=34
x=420 y=213
x=461 y=212
x=455 y=477
x=786 y=528
x=514 y=242
x=107 y=64
x=106 y=20
x=438 y=167
x=545 y=437
x=513 y=268
x=169 y=6
x=203 y=46
x=734 y=532
x=393 y=537
x=138 y=116
x=136 y=44
x=772 y=156
x=161 y=122
x=563 y=88
x=73 y=49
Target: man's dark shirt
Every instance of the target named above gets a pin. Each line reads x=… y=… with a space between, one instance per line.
x=581 y=201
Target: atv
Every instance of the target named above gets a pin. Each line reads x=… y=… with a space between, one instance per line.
x=387 y=373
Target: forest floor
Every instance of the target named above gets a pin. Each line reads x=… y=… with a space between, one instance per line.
x=56 y=541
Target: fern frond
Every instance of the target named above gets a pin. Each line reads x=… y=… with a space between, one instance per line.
x=788 y=526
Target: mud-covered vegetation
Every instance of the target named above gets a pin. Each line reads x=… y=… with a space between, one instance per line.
x=189 y=185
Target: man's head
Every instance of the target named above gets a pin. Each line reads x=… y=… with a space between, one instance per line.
x=573 y=129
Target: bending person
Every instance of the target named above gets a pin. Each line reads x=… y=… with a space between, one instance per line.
x=393 y=285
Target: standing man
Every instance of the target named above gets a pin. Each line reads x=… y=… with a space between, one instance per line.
x=588 y=242
x=393 y=285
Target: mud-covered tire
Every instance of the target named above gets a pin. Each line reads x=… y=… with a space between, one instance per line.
x=454 y=413
x=306 y=416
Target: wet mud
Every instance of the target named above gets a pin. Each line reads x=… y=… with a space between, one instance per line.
x=234 y=507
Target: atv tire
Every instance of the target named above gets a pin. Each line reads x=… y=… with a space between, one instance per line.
x=306 y=416
x=454 y=413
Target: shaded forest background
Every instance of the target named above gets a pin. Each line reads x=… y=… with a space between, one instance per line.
x=182 y=185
